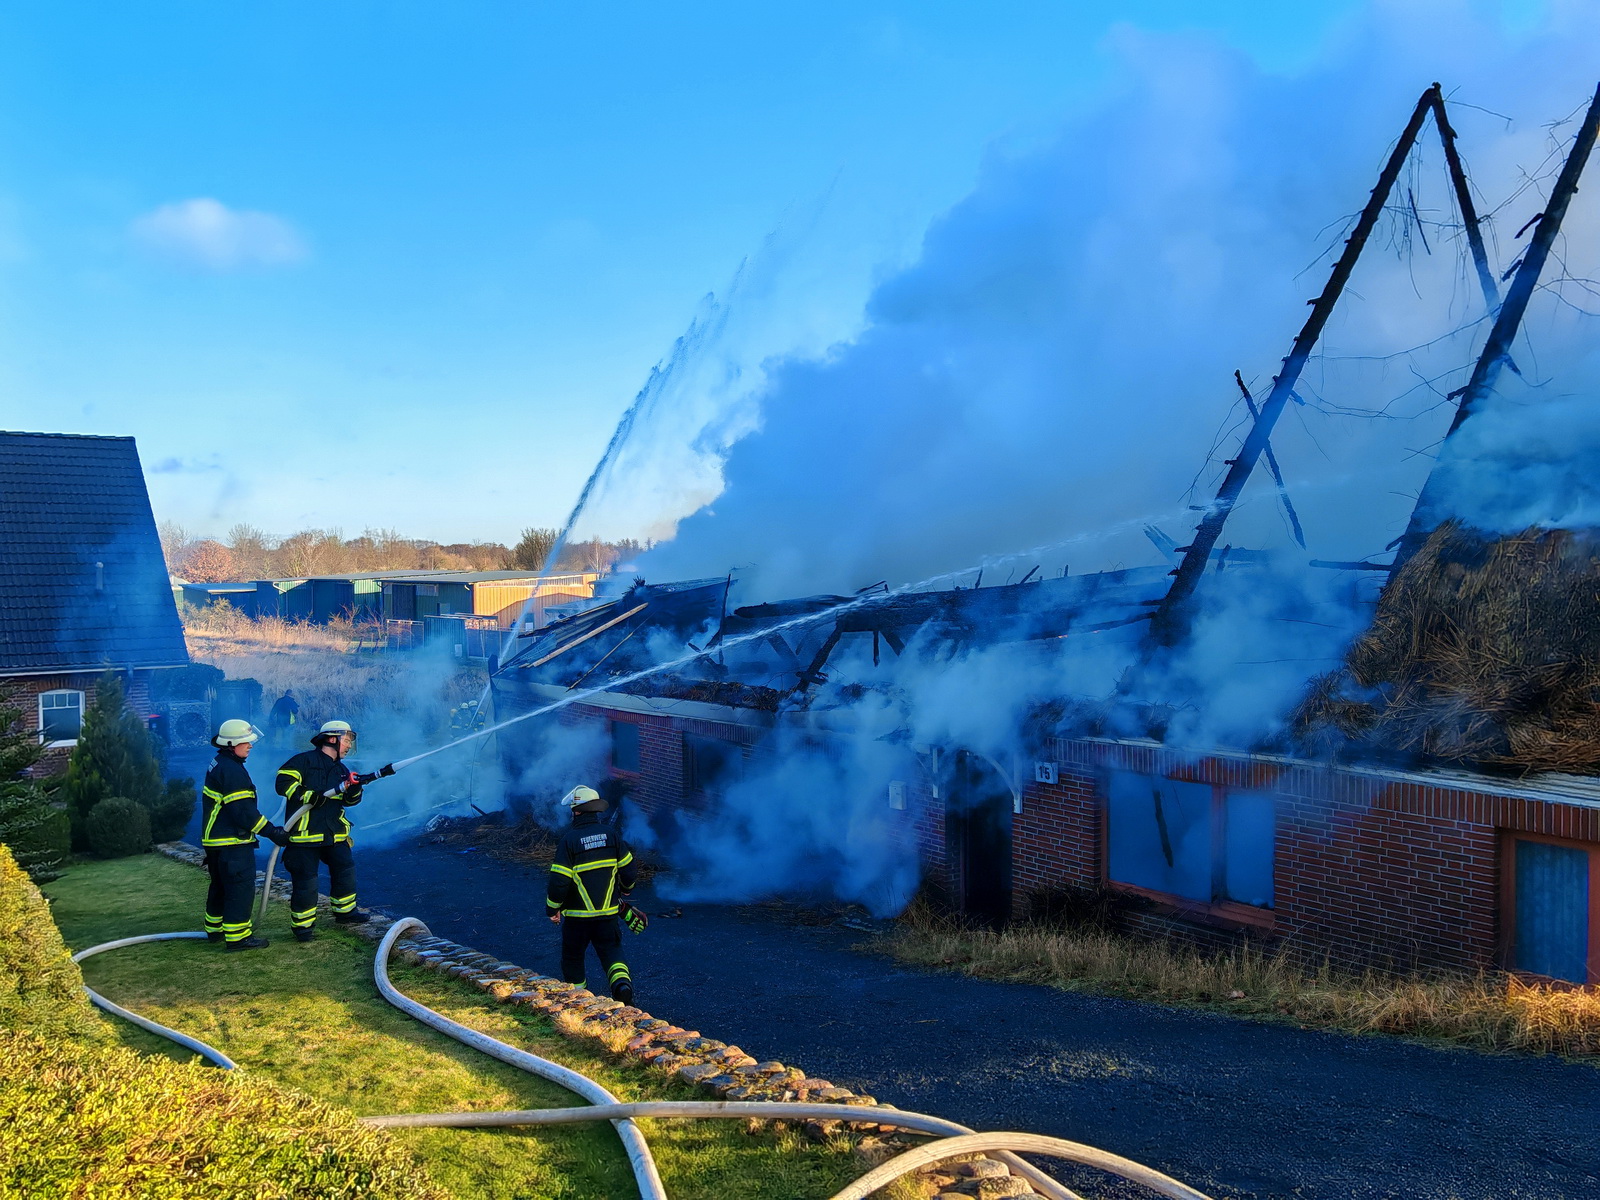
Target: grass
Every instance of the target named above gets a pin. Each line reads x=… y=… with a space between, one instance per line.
x=310 y=1017
x=1488 y=1012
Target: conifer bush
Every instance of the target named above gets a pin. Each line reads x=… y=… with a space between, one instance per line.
x=38 y=831
x=116 y=756
x=171 y=814
x=117 y=827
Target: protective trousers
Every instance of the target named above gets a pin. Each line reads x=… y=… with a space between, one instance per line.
x=302 y=861
x=605 y=935
x=232 y=893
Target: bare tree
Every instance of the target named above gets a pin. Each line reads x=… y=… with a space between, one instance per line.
x=175 y=543
x=531 y=553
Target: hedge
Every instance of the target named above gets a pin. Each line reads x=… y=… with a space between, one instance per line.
x=82 y=1117
x=41 y=988
x=102 y=1121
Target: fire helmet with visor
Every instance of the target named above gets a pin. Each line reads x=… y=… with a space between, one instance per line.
x=235 y=732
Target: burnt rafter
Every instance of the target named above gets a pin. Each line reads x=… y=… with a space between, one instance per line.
x=1425 y=517
x=1170 y=621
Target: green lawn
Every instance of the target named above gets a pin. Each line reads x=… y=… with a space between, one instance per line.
x=310 y=1017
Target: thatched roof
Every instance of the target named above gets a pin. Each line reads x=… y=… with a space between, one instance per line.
x=1483 y=651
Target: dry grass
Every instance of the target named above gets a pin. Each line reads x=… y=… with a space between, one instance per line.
x=1484 y=1011
x=224 y=630
x=330 y=677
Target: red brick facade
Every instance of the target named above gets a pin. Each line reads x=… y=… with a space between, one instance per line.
x=23 y=692
x=1368 y=867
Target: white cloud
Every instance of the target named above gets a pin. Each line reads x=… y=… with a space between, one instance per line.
x=208 y=234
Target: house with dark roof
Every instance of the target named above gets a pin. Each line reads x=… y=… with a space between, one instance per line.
x=83 y=585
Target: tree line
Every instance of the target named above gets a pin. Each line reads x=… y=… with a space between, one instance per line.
x=250 y=553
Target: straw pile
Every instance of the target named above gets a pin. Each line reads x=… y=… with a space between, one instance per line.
x=1483 y=651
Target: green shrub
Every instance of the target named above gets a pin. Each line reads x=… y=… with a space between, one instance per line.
x=41 y=988
x=38 y=832
x=117 y=828
x=172 y=812
x=114 y=757
x=102 y=1121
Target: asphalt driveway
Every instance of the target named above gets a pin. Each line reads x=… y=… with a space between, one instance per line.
x=1235 y=1107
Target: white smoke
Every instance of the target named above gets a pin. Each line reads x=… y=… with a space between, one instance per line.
x=1059 y=359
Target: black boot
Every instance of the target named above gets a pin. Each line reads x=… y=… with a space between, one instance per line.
x=215 y=937
x=303 y=935
x=352 y=918
x=254 y=942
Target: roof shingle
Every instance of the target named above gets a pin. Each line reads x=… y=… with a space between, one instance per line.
x=82 y=580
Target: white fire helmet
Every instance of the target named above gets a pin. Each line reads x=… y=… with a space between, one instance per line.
x=236 y=732
x=579 y=795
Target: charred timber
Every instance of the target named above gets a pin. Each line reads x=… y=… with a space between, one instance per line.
x=1171 y=619
x=1497 y=349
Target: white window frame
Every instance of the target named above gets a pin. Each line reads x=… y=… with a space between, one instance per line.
x=60 y=692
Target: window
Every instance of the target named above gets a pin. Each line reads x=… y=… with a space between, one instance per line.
x=1191 y=840
x=709 y=764
x=60 y=717
x=1551 y=887
x=624 y=745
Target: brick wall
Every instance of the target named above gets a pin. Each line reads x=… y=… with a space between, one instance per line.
x=23 y=692
x=1370 y=870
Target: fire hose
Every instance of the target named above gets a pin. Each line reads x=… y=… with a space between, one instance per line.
x=955 y=1140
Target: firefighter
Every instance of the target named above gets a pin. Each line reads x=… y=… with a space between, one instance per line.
x=228 y=835
x=590 y=879
x=318 y=780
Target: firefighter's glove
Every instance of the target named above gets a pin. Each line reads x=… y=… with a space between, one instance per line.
x=636 y=919
x=278 y=837
x=351 y=794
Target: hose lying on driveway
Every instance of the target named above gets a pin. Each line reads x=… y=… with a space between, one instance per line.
x=955 y=1139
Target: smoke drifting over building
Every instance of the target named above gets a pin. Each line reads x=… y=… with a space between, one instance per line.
x=1047 y=396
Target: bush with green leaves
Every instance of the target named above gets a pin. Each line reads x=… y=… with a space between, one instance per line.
x=173 y=811
x=116 y=756
x=41 y=988
x=81 y=1116
x=38 y=831
x=117 y=828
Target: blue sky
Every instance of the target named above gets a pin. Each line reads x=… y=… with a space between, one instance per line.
x=404 y=264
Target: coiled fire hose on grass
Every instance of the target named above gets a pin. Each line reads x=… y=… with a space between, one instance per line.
x=956 y=1140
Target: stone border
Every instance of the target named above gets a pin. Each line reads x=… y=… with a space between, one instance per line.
x=630 y=1033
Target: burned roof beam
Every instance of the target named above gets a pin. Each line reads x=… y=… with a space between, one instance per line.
x=1497 y=349
x=1170 y=622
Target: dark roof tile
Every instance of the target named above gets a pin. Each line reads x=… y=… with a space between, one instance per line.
x=82 y=580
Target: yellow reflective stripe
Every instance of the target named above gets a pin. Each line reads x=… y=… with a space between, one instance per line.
x=583 y=892
x=258 y=826
x=626 y=859
x=558 y=869
x=556 y=904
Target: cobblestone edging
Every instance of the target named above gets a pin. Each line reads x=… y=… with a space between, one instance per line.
x=725 y=1071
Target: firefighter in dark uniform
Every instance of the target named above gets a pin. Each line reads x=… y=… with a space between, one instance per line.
x=318 y=781
x=590 y=879
x=228 y=835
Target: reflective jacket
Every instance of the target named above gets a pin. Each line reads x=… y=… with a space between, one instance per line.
x=231 y=817
x=593 y=870
x=303 y=780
